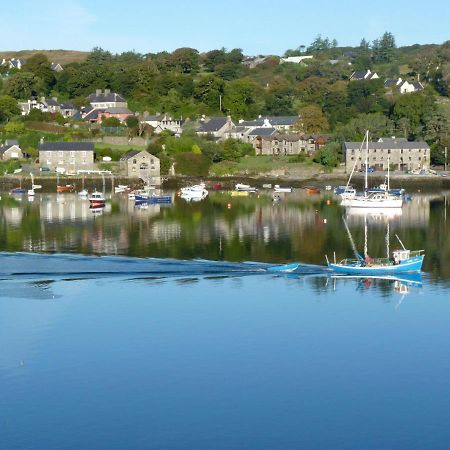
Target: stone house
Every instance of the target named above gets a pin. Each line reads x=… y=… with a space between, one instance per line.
x=10 y=150
x=67 y=157
x=399 y=153
x=289 y=144
x=141 y=164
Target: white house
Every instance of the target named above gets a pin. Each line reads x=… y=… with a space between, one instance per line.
x=404 y=86
x=107 y=99
x=295 y=59
x=10 y=150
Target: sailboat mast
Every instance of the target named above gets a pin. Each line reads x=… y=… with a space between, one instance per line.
x=366 y=184
x=388 y=186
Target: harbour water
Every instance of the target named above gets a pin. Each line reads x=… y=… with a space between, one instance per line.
x=146 y=328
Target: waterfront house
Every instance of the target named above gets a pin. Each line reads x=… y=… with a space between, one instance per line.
x=288 y=144
x=400 y=153
x=10 y=150
x=66 y=157
x=141 y=164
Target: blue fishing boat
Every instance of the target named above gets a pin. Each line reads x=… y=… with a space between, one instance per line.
x=402 y=260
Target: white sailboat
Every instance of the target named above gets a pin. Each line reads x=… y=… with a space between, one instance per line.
x=381 y=199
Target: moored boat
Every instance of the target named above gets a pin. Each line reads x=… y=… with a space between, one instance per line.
x=97 y=199
x=244 y=188
x=278 y=188
x=67 y=188
x=312 y=190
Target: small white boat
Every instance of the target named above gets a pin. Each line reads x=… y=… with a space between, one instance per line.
x=278 y=188
x=83 y=193
x=97 y=198
x=328 y=187
x=194 y=195
x=30 y=193
x=245 y=188
x=374 y=200
x=121 y=188
x=195 y=189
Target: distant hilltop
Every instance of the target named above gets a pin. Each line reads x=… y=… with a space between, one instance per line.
x=59 y=56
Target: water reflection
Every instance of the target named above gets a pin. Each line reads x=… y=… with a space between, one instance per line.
x=221 y=227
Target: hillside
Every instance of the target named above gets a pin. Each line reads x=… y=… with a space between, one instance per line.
x=58 y=56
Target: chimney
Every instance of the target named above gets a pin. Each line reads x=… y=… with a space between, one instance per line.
x=41 y=141
x=107 y=91
x=98 y=91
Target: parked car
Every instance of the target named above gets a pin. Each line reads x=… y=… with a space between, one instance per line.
x=369 y=169
x=44 y=169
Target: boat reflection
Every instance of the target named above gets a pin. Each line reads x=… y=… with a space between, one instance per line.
x=401 y=284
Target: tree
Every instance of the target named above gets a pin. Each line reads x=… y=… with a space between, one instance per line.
x=384 y=48
x=378 y=124
x=132 y=122
x=208 y=91
x=8 y=108
x=367 y=96
x=184 y=59
x=24 y=85
x=40 y=66
x=328 y=155
x=312 y=119
x=240 y=98
x=415 y=107
x=312 y=90
x=213 y=59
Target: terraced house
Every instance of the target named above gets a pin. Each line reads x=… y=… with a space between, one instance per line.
x=397 y=153
x=66 y=157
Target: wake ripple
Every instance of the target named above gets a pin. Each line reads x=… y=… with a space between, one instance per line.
x=35 y=264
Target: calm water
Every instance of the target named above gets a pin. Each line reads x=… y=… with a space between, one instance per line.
x=168 y=353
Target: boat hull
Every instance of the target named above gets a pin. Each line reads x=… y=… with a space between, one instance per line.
x=368 y=203
x=413 y=264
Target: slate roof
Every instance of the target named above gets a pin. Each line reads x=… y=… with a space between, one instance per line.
x=262 y=132
x=398 y=144
x=67 y=106
x=359 y=75
x=128 y=155
x=417 y=86
x=213 y=124
x=282 y=120
x=252 y=123
x=4 y=148
x=92 y=114
x=11 y=142
x=390 y=83
x=108 y=97
x=52 y=102
x=67 y=146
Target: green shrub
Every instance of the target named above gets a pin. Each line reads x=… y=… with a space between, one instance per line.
x=189 y=163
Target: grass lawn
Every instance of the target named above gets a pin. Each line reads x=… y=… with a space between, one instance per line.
x=101 y=146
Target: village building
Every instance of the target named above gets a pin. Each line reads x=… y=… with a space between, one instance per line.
x=363 y=75
x=106 y=99
x=288 y=144
x=162 y=122
x=295 y=59
x=118 y=113
x=397 y=153
x=10 y=150
x=66 y=157
x=48 y=105
x=141 y=164
x=403 y=86
x=216 y=126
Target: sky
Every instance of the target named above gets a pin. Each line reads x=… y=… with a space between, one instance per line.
x=258 y=27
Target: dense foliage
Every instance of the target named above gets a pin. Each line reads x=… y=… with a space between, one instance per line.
x=186 y=83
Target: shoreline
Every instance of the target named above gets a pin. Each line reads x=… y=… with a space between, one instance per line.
x=48 y=183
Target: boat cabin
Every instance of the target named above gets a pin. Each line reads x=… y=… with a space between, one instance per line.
x=400 y=255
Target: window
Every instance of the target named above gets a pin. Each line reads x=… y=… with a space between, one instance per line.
x=134 y=161
x=49 y=153
x=84 y=161
x=60 y=154
x=72 y=154
x=84 y=154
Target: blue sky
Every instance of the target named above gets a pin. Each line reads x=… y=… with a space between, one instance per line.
x=258 y=27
